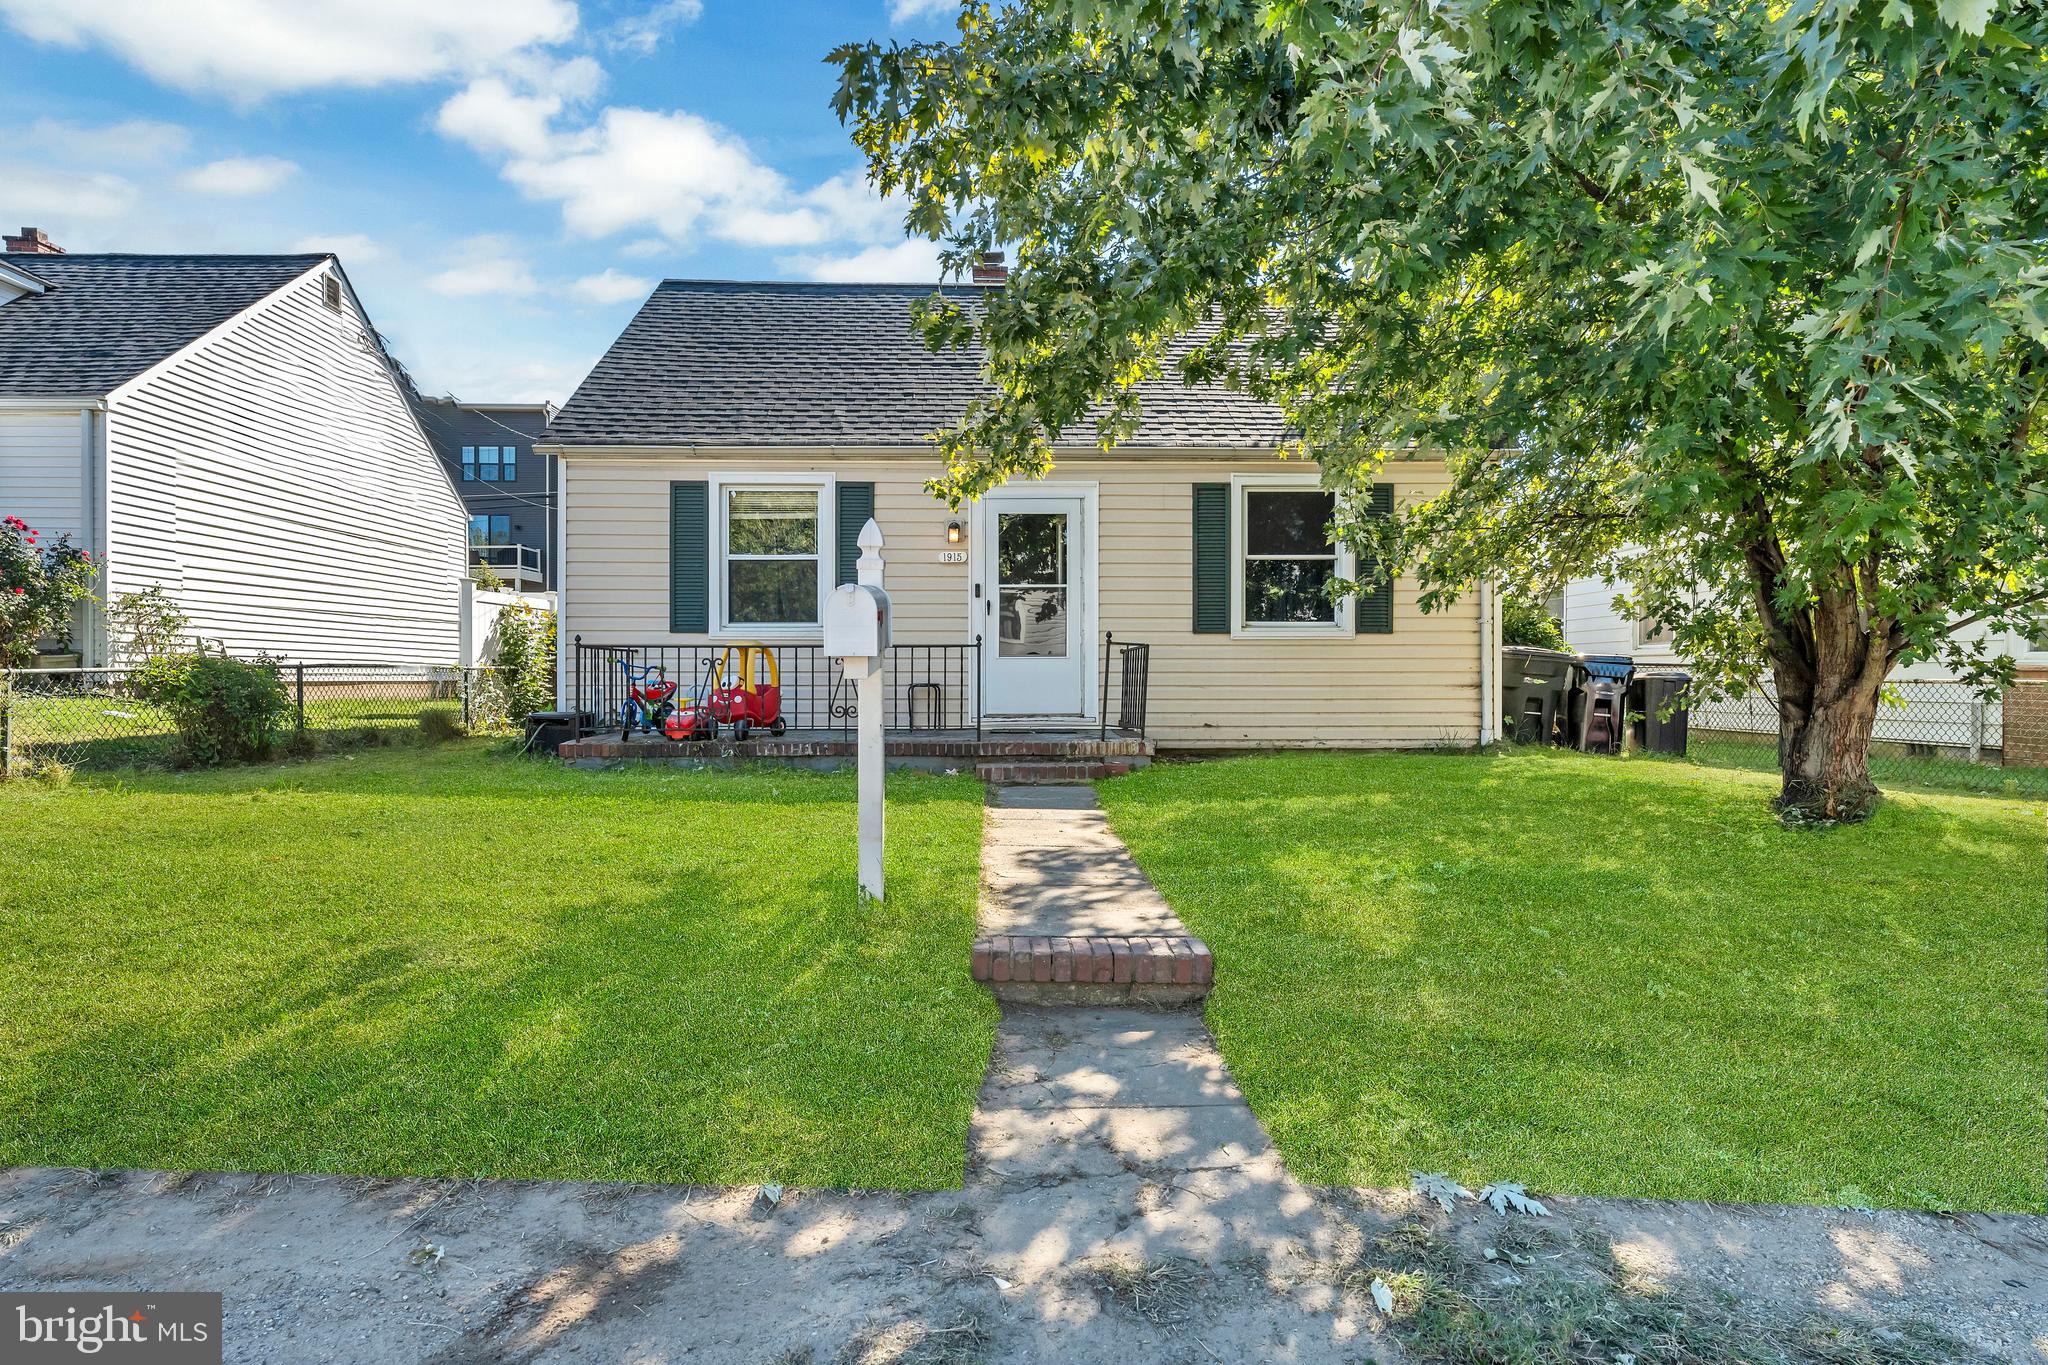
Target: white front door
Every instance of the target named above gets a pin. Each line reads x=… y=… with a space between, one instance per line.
x=1034 y=570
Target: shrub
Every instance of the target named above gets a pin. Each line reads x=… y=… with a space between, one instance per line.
x=1523 y=621
x=146 y=624
x=526 y=660
x=39 y=585
x=224 y=710
x=440 y=724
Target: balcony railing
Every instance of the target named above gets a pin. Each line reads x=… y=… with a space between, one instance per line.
x=519 y=565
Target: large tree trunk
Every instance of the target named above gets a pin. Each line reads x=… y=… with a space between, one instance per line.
x=1827 y=706
x=1829 y=660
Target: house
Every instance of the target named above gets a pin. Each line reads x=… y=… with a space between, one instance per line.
x=231 y=429
x=720 y=459
x=507 y=486
x=1593 y=626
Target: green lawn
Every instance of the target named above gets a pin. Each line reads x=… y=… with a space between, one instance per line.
x=452 y=962
x=1603 y=976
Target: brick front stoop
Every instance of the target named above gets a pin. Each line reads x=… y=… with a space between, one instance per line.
x=1066 y=916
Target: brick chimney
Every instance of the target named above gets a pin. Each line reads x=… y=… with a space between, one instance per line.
x=33 y=241
x=990 y=269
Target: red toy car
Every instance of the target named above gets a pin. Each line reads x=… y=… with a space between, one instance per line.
x=741 y=697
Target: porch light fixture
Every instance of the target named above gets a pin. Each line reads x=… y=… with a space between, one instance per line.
x=954 y=533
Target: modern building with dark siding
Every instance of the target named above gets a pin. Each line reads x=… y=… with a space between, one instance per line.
x=508 y=489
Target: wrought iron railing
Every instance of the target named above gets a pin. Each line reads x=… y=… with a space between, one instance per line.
x=929 y=689
x=1132 y=666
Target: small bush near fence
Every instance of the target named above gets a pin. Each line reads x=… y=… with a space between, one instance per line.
x=105 y=718
x=224 y=710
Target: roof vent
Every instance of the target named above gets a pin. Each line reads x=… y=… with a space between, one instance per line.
x=32 y=241
x=330 y=291
x=990 y=269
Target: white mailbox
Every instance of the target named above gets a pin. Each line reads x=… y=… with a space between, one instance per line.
x=857 y=622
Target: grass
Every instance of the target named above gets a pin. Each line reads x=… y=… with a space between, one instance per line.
x=451 y=962
x=1892 y=766
x=1613 y=977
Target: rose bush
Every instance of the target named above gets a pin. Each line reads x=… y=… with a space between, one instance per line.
x=39 y=586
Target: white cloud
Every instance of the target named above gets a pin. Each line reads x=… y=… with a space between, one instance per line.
x=911 y=262
x=646 y=31
x=496 y=120
x=132 y=142
x=239 y=177
x=645 y=249
x=248 y=49
x=32 y=193
x=488 y=265
x=611 y=286
x=903 y=11
x=354 y=248
x=674 y=172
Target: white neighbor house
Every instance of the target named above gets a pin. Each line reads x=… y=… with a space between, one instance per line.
x=230 y=428
x=1593 y=626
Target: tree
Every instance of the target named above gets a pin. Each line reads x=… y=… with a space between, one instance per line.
x=1743 y=299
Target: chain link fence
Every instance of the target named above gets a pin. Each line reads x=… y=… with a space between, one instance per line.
x=98 y=718
x=1939 y=735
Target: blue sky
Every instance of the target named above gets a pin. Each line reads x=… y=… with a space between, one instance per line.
x=502 y=179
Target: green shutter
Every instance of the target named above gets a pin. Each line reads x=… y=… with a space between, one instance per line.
x=856 y=503
x=1212 y=559
x=689 y=558
x=1374 y=612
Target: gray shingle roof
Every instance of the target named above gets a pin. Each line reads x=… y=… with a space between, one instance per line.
x=726 y=364
x=106 y=319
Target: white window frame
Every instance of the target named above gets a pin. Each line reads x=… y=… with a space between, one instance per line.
x=824 y=486
x=1241 y=486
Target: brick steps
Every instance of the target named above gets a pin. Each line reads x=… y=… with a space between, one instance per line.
x=1023 y=773
x=1094 y=969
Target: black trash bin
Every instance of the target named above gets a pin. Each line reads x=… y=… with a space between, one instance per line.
x=1533 y=683
x=547 y=730
x=1598 y=698
x=1648 y=696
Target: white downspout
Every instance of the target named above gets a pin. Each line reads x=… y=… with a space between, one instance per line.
x=563 y=641
x=1489 y=671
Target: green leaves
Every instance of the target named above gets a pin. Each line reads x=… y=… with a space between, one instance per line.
x=1706 y=292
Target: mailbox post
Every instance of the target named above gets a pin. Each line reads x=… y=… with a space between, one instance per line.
x=857 y=634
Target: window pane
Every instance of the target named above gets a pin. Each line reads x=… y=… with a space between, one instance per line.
x=771 y=591
x=1031 y=547
x=763 y=522
x=1288 y=523
x=1033 y=623
x=1278 y=590
x=479 y=529
x=469 y=463
x=511 y=463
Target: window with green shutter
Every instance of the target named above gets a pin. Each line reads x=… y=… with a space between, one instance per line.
x=689 y=557
x=1374 y=614
x=1212 y=558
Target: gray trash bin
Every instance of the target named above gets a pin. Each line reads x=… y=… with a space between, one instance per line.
x=1648 y=696
x=1533 y=683
x=1598 y=698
